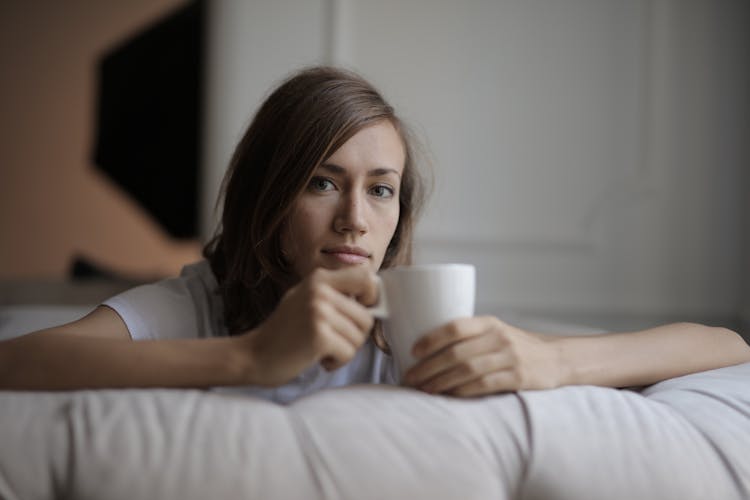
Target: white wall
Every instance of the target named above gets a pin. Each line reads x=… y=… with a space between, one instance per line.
x=588 y=153
x=252 y=44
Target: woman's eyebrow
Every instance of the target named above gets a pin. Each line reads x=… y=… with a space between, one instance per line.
x=375 y=172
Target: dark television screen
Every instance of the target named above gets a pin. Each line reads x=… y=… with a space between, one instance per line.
x=148 y=136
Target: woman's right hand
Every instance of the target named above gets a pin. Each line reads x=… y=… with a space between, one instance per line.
x=322 y=319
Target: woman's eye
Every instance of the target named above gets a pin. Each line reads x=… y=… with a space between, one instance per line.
x=382 y=191
x=321 y=184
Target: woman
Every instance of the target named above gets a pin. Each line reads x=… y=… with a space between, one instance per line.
x=322 y=192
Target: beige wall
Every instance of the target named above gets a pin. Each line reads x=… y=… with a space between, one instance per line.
x=53 y=204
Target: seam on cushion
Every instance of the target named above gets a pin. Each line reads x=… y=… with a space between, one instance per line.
x=63 y=488
x=526 y=466
x=728 y=464
x=313 y=459
x=725 y=461
x=717 y=450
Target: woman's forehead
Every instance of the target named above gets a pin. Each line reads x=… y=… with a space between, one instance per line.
x=376 y=147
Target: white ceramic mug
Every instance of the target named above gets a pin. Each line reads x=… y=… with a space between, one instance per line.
x=417 y=299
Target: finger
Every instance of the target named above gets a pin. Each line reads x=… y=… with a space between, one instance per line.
x=457 y=354
x=340 y=323
x=465 y=372
x=450 y=333
x=336 y=351
x=353 y=311
x=358 y=282
x=491 y=383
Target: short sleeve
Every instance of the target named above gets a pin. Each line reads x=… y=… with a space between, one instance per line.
x=163 y=310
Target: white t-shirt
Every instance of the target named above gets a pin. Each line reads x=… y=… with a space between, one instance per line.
x=190 y=307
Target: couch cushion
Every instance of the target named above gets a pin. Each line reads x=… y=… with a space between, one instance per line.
x=683 y=438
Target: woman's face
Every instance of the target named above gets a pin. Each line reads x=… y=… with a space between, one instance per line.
x=349 y=211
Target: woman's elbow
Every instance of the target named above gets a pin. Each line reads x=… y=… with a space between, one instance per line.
x=734 y=341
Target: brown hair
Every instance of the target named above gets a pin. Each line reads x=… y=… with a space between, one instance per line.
x=302 y=123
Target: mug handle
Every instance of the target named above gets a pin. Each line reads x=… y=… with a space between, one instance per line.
x=380 y=309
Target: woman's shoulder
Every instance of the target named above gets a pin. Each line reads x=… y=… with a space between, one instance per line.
x=187 y=306
x=200 y=270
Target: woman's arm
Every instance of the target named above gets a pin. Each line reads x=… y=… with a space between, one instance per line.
x=96 y=352
x=648 y=356
x=316 y=321
x=483 y=355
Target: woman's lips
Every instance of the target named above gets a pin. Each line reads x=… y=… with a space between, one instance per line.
x=348 y=258
x=348 y=255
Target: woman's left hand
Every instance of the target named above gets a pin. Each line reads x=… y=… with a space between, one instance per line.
x=482 y=355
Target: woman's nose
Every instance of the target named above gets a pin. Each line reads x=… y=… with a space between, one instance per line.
x=350 y=216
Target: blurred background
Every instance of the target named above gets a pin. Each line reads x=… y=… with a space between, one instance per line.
x=591 y=157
